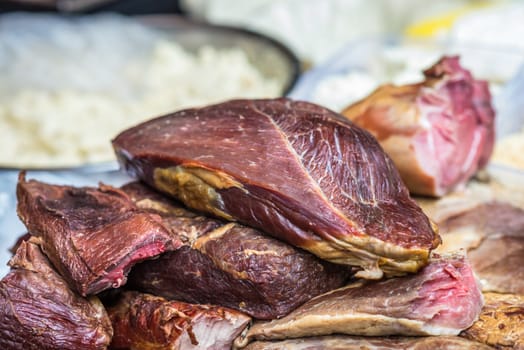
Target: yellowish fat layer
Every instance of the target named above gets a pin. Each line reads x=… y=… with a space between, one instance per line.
x=196 y=187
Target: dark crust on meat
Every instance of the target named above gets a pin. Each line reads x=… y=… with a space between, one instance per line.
x=39 y=311
x=91 y=235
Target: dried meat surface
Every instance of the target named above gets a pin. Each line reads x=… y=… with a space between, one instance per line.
x=292 y=169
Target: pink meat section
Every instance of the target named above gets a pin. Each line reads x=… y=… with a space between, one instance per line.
x=450 y=296
x=439 y=132
x=460 y=136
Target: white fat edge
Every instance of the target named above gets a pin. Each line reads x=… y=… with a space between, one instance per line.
x=439 y=330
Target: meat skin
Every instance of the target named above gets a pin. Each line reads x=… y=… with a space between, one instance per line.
x=295 y=170
x=144 y=322
x=229 y=264
x=38 y=310
x=91 y=235
x=439 y=132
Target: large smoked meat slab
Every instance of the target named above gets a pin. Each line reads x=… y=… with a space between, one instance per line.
x=292 y=169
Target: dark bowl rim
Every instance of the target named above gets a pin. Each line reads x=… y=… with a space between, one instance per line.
x=167 y=21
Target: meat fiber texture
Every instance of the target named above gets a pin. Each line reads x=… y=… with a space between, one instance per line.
x=144 y=322
x=91 y=235
x=442 y=299
x=344 y=342
x=38 y=310
x=493 y=235
x=229 y=264
x=439 y=132
x=292 y=169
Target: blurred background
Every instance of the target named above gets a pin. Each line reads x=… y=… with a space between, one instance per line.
x=76 y=72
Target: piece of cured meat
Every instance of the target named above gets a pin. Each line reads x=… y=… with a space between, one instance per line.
x=439 y=132
x=91 y=235
x=493 y=234
x=441 y=299
x=144 y=322
x=501 y=323
x=345 y=342
x=229 y=264
x=293 y=169
x=38 y=310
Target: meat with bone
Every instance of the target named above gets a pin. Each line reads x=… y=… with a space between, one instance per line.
x=293 y=169
x=345 y=342
x=493 y=234
x=91 y=235
x=439 y=132
x=441 y=299
x=38 y=310
x=229 y=264
x=501 y=323
x=144 y=322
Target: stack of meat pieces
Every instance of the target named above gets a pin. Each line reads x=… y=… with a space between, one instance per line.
x=293 y=230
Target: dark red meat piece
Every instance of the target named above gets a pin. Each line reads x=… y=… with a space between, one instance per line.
x=91 y=235
x=295 y=170
x=38 y=310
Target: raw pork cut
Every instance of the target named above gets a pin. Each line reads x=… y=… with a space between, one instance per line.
x=38 y=310
x=144 y=322
x=229 y=264
x=345 y=342
x=439 y=132
x=442 y=299
x=91 y=235
x=295 y=170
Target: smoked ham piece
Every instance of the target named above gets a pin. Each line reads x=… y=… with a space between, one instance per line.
x=439 y=132
x=144 y=322
x=93 y=236
x=294 y=170
x=441 y=299
x=39 y=311
x=228 y=264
